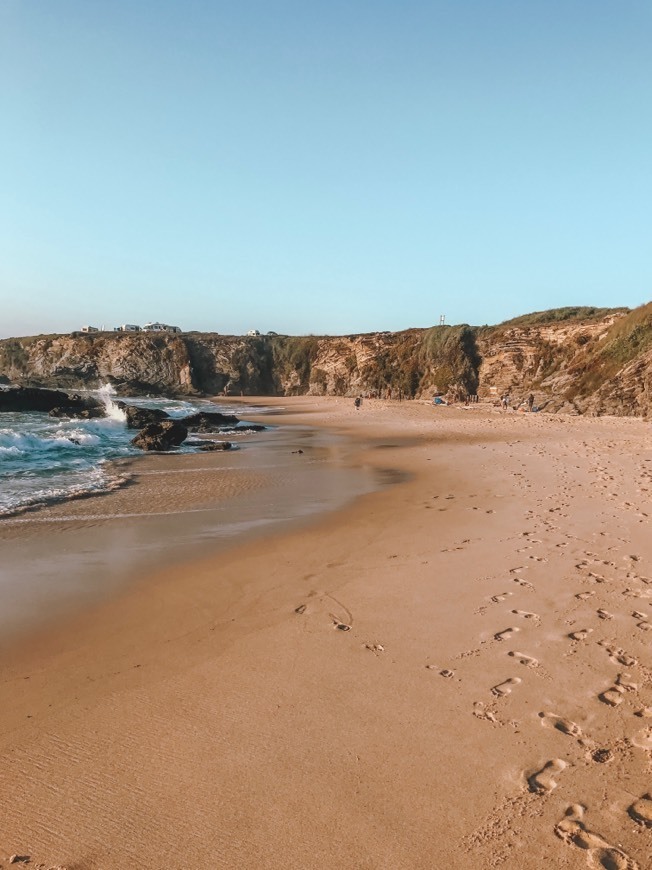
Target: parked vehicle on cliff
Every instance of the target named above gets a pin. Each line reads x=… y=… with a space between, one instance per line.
x=89 y=329
x=127 y=327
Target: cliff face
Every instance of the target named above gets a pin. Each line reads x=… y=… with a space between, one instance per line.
x=139 y=362
x=577 y=360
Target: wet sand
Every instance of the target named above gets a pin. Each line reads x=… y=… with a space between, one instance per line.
x=173 y=508
x=450 y=672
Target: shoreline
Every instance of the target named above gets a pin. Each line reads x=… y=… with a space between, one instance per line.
x=218 y=709
x=174 y=508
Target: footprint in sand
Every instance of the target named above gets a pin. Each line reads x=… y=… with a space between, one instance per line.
x=339 y=623
x=643 y=739
x=481 y=712
x=522 y=583
x=600 y=853
x=604 y=614
x=618 y=655
x=505 y=634
x=644 y=626
x=522 y=659
x=543 y=781
x=582 y=634
x=641 y=810
x=497 y=599
x=505 y=687
x=624 y=681
x=566 y=726
x=613 y=696
x=583 y=595
x=525 y=614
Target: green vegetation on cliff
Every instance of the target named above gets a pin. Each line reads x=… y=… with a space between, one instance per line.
x=292 y=359
x=419 y=361
x=629 y=337
x=560 y=315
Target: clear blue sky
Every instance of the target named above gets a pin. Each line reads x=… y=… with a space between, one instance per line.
x=321 y=167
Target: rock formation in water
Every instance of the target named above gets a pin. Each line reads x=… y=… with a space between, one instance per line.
x=164 y=435
x=54 y=402
x=577 y=360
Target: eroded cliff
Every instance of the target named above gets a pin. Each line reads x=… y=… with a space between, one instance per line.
x=577 y=360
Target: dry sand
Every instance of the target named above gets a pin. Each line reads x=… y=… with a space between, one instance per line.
x=490 y=704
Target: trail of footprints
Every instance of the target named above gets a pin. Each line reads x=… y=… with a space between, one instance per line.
x=600 y=608
x=542 y=779
x=572 y=830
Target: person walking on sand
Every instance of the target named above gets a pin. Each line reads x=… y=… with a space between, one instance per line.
x=358 y=402
x=530 y=402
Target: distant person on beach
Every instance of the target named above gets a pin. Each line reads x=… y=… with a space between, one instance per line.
x=358 y=402
x=530 y=402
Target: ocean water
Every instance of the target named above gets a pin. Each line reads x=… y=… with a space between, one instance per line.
x=44 y=459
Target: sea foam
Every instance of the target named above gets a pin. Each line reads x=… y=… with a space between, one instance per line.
x=45 y=459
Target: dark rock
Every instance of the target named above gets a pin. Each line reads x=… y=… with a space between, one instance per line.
x=73 y=411
x=138 y=418
x=161 y=436
x=210 y=445
x=250 y=427
x=602 y=755
x=36 y=399
x=210 y=421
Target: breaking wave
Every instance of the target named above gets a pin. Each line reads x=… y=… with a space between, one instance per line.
x=45 y=459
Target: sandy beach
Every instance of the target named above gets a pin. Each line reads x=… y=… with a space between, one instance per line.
x=451 y=671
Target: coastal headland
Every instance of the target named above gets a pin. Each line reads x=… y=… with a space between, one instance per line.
x=574 y=360
x=451 y=671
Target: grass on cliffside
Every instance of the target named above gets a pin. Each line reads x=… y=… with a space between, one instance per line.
x=423 y=361
x=628 y=337
x=293 y=357
x=559 y=315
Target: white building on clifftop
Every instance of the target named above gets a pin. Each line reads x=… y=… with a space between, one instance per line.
x=160 y=327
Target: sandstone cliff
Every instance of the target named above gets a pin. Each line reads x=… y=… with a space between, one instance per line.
x=578 y=360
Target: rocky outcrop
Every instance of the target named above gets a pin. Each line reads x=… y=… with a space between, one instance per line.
x=54 y=402
x=627 y=393
x=72 y=412
x=138 y=418
x=578 y=360
x=208 y=446
x=161 y=436
x=210 y=421
x=133 y=363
